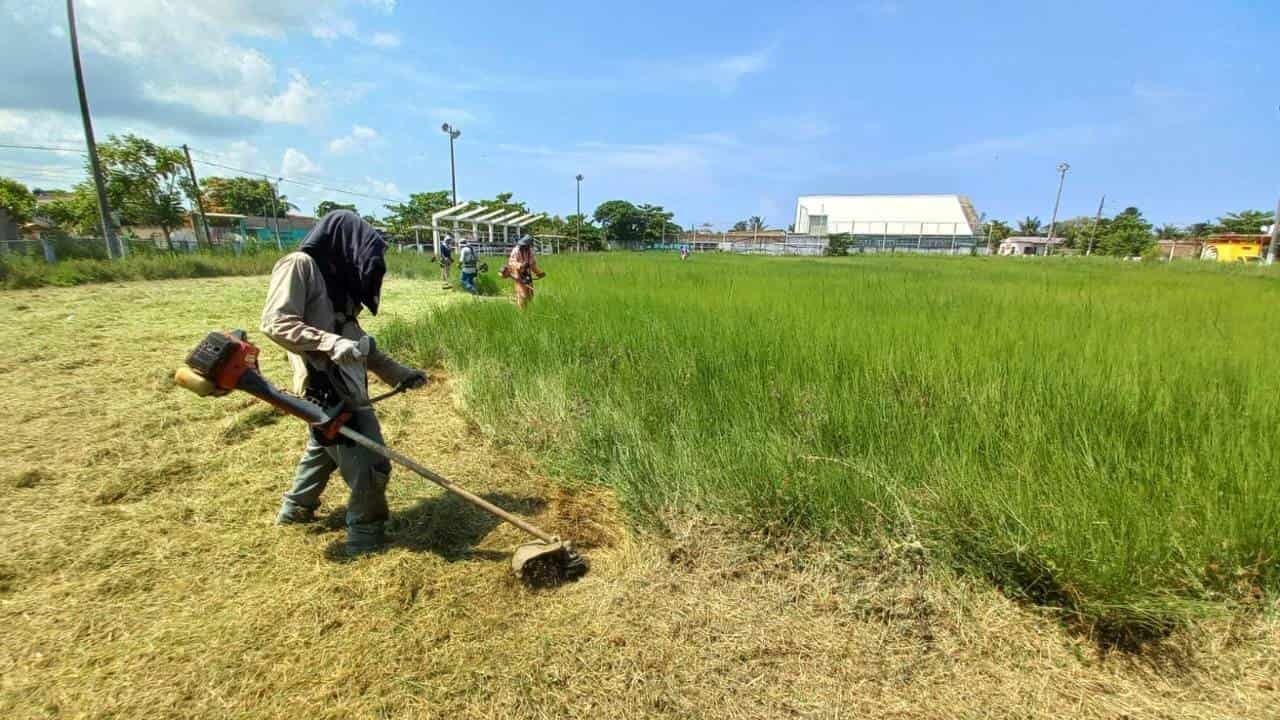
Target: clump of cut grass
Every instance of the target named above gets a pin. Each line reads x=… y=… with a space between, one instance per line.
x=1088 y=435
x=30 y=477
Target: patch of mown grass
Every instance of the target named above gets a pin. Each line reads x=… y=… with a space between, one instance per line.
x=1089 y=435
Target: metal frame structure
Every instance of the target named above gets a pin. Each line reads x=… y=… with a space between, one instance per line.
x=476 y=215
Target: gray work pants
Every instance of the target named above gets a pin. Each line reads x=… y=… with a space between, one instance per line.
x=365 y=473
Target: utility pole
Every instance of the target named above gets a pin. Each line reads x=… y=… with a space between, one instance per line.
x=1275 y=235
x=453 y=134
x=1053 y=222
x=1093 y=234
x=275 y=214
x=104 y=210
x=195 y=185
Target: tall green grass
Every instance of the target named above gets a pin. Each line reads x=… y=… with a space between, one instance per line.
x=1098 y=437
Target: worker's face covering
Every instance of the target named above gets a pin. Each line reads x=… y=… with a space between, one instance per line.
x=350 y=254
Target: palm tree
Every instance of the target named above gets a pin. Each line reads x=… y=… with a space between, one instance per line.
x=1170 y=232
x=755 y=222
x=1029 y=226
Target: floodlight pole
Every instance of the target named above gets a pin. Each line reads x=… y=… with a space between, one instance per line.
x=453 y=134
x=104 y=209
x=577 y=230
x=1053 y=222
x=1275 y=235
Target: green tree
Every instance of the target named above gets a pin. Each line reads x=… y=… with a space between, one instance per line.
x=146 y=182
x=17 y=201
x=1170 y=232
x=76 y=212
x=327 y=206
x=623 y=223
x=578 y=227
x=1029 y=226
x=417 y=211
x=1201 y=229
x=996 y=231
x=1126 y=235
x=243 y=196
x=657 y=223
x=1247 y=222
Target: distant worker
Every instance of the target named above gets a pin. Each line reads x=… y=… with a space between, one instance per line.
x=522 y=268
x=313 y=300
x=468 y=265
x=446 y=258
x=684 y=252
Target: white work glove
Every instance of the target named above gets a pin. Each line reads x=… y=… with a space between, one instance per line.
x=349 y=352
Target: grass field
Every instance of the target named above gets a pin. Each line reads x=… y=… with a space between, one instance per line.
x=140 y=574
x=1096 y=437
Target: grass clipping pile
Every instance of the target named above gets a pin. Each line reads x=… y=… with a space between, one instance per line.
x=140 y=575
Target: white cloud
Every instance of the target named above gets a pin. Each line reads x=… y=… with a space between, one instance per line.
x=330 y=26
x=360 y=138
x=1044 y=141
x=143 y=64
x=454 y=115
x=295 y=163
x=799 y=126
x=383 y=188
x=724 y=73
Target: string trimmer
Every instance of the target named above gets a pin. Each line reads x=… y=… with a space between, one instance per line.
x=223 y=362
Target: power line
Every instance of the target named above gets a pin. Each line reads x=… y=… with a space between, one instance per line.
x=47 y=148
x=302 y=183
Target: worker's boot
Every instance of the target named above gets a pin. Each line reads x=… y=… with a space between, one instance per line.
x=291 y=514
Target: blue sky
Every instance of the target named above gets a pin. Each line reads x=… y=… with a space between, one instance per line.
x=715 y=110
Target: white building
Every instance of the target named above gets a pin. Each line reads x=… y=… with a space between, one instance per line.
x=931 y=215
x=1027 y=245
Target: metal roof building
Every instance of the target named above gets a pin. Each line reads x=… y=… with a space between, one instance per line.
x=886 y=215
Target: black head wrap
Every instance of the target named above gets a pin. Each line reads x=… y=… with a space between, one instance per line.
x=350 y=254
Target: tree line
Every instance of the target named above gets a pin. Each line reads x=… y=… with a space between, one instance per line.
x=150 y=185
x=1127 y=233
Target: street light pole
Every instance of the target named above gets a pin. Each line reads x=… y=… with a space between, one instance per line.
x=577 y=229
x=453 y=134
x=104 y=210
x=1275 y=235
x=1053 y=222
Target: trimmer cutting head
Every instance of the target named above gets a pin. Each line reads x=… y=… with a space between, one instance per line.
x=544 y=564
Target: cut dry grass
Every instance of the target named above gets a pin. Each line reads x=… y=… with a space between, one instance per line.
x=178 y=598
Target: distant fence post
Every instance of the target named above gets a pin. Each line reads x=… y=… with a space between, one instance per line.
x=50 y=256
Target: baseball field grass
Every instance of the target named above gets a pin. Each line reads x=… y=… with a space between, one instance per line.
x=1098 y=438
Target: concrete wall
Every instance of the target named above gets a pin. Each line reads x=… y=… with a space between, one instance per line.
x=885 y=214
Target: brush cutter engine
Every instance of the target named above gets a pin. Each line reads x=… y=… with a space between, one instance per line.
x=226 y=361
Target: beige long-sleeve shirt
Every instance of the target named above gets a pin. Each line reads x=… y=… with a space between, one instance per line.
x=300 y=317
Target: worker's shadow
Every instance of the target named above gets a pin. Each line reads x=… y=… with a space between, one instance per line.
x=444 y=525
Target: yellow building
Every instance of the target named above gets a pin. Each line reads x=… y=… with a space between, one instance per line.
x=1234 y=247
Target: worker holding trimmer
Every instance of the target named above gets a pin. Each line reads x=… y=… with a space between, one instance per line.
x=469 y=265
x=522 y=268
x=313 y=301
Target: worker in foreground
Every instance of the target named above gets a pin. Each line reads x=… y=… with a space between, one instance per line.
x=468 y=265
x=522 y=268
x=313 y=300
